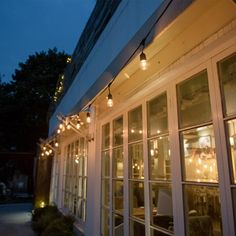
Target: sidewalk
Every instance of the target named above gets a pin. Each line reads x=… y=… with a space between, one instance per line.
x=15 y=219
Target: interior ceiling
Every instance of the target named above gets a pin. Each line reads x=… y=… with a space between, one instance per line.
x=199 y=21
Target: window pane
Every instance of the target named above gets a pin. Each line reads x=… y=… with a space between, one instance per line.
x=118 y=221
x=202 y=210
x=232 y=144
x=105 y=164
x=159 y=159
x=106 y=136
x=227 y=74
x=234 y=203
x=161 y=206
x=118 y=195
x=105 y=222
x=135 y=124
x=118 y=132
x=194 y=101
x=158 y=233
x=118 y=167
x=137 y=199
x=157 y=115
x=136 y=228
x=105 y=192
x=198 y=150
x=136 y=164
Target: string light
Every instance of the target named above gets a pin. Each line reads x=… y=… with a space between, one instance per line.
x=68 y=126
x=78 y=125
x=88 y=119
x=143 y=58
x=109 y=97
x=56 y=144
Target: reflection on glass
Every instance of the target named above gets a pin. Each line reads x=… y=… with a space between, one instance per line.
x=137 y=199
x=136 y=164
x=198 y=149
x=159 y=158
x=118 y=132
x=135 y=124
x=161 y=206
x=202 y=210
x=118 y=167
x=227 y=75
x=118 y=195
x=194 y=100
x=106 y=136
x=105 y=222
x=136 y=228
x=118 y=228
x=105 y=192
x=157 y=115
x=105 y=164
x=232 y=143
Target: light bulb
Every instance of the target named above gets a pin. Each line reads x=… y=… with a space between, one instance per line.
x=56 y=144
x=58 y=131
x=109 y=100
x=78 y=125
x=68 y=126
x=42 y=154
x=44 y=148
x=61 y=126
x=143 y=61
x=47 y=153
x=88 y=119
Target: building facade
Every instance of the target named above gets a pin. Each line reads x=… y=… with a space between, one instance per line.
x=161 y=159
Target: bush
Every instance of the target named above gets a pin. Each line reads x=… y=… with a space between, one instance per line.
x=60 y=227
x=42 y=217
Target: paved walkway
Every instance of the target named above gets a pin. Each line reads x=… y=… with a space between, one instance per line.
x=15 y=220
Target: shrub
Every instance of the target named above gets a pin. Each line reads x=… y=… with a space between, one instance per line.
x=42 y=217
x=62 y=226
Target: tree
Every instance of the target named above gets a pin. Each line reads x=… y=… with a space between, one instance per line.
x=24 y=102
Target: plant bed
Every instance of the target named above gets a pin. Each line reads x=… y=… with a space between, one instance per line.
x=48 y=221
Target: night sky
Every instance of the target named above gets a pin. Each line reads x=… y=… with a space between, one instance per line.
x=29 y=26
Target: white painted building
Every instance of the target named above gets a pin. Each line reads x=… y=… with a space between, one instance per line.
x=162 y=159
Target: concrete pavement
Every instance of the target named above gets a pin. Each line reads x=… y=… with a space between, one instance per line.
x=15 y=220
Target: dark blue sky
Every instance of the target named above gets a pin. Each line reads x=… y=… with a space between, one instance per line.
x=29 y=26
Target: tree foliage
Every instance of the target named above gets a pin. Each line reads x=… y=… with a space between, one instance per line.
x=24 y=102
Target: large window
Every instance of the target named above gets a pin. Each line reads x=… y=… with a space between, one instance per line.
x=105 y=193
x=76 y=178
x=227 y=77
x=177 y=147
x=161 y=212
x=202 y=204
x=118 y=177
x=136 y=170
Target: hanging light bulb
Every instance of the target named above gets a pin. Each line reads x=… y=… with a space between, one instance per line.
x=42 y=154
x=143 y=61
x=47 y=153
x=109 y=98
x=58 y=131
x=56 y=144
x=44 y=148
x=61 y=126
x=88 y=119
x=78 y=125
x=68 y=126
x=142 y=57
x=50 y=151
